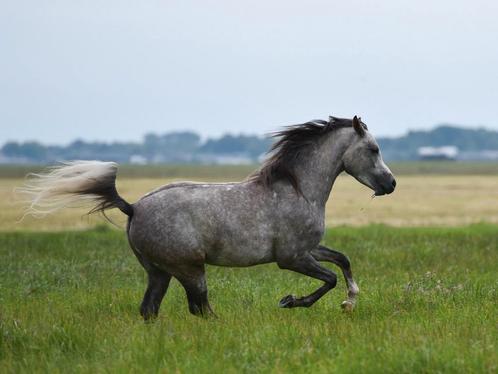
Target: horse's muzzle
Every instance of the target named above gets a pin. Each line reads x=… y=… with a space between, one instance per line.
x=386 y=188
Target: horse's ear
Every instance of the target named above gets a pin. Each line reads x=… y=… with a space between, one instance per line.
x=358 y=126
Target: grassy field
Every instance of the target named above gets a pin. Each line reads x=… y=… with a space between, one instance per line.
x=427 y=194
x=70 y=286
x=419 y=200
x=69 y=303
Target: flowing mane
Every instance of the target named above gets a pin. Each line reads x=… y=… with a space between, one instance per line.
x=292 y=140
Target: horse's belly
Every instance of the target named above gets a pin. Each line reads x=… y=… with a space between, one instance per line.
x=238 y=257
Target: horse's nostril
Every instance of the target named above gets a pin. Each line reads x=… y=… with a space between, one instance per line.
x=394 y=183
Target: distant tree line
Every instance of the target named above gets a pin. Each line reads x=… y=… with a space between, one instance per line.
x=187 y=147
x=174 y=147
x=466 y=140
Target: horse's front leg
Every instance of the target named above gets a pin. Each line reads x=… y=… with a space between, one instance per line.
x=323 y=253
x=307 y=265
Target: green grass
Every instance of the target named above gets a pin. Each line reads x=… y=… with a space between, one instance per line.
x=69 y=302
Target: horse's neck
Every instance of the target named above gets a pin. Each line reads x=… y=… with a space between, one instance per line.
x=318 y=169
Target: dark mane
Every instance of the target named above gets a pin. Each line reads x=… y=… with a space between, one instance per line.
x=292 y=140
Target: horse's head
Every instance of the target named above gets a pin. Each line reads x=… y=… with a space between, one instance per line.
x=363 y=161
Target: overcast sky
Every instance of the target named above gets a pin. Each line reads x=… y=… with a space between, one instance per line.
x=114 y=70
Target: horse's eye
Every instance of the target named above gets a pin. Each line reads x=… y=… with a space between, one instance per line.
x=375 y=149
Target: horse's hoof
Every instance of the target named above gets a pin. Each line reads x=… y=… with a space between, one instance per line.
x=347 y=306
x=287 y=301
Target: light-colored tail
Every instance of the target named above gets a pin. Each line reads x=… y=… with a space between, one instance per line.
x=75 y=183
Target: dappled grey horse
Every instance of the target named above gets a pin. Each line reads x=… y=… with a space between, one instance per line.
x=275 y=215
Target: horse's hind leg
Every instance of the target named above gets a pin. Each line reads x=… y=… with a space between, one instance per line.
x=307 y=265
x=193 y=279
x=326 y=254
x=156 y=289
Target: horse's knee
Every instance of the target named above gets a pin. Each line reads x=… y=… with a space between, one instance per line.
x=332 y=281
x=343 y=261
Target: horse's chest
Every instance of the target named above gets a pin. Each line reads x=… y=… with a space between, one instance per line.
x=305 y=225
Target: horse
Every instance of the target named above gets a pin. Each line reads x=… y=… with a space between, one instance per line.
x=276 y=214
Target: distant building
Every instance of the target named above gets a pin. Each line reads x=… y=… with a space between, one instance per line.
x=225 y=159
x=138 y=160
x=448 y=152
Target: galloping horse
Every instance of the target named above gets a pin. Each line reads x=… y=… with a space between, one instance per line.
x=275 y=215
